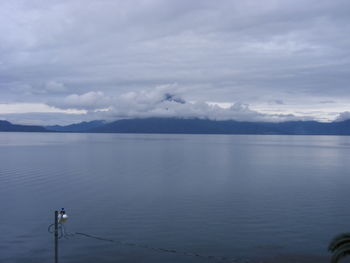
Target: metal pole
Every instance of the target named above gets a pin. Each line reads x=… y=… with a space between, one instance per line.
x=56 y=236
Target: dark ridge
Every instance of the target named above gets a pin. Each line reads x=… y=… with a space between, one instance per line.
x=192 y=126
x=204 y=126
x=77 y=127
x=6 y=126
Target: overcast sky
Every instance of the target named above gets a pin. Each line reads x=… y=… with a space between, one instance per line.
x=72 y=60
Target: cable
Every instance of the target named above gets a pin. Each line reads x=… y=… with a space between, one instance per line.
x=166 y=250
x=61 y=231
x=65 y=234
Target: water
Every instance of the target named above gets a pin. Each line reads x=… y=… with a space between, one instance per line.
x=252 y=197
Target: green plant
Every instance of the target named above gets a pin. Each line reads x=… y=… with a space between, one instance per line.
x=340 y=247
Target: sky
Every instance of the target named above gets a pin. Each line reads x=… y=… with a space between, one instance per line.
x=77 y=60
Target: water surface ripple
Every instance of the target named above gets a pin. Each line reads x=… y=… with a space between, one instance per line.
x=248 y=197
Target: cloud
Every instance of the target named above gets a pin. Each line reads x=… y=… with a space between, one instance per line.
x=278 y=102
x=25 y=108
x=226 y=51
x=343 y=116
x=162 y=101
x=88 y=101
x=55 y=86
x=44 y=118
x=51 y=87
x=327 y=102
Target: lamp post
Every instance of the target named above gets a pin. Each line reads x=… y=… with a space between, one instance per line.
x=56 y=236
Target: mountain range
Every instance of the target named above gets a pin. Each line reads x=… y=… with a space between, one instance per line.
x=190 y=126
x=77 y=127
x=6 y=126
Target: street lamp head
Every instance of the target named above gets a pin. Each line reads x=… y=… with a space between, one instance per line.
x=62 y=216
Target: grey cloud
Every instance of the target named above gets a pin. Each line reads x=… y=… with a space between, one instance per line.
x=249 y=51
x=162 y=101
x=51 y=87
x=55 y=86
x=278 y=102
x=327 y=101
x=45 y=119
x=88 y=101
x=343 y=116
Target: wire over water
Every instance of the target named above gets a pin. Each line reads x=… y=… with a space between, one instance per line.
x=63 y=233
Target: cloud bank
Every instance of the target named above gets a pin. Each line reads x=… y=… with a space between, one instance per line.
x=163 y=101
x=282 y=58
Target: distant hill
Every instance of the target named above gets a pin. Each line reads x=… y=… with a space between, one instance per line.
x=192 y=126
x=202 y=126
x=77 y=127
x=6 y=126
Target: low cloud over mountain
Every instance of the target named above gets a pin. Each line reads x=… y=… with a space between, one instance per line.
x=162 y=101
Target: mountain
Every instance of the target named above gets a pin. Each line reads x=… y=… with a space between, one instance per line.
x=315 y=128
x=6 y=126
x=77 y=127
x=176 y=125
x=202 y=126
x=192 y=126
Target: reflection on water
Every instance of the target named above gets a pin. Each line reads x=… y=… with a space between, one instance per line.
x=250 y=197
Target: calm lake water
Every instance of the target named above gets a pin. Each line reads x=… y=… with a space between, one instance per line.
x=247 y=197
